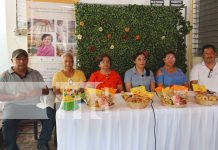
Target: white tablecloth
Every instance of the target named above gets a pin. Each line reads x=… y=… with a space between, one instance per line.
x=194 y=127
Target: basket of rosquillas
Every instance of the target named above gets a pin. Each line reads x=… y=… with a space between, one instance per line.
x=173 y=96
x=100 y=99
x=203 y=96
x=138 y=98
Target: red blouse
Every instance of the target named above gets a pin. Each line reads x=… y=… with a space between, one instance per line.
x=112 y=80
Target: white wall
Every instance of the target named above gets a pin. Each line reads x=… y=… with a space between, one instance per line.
x=3 y=41
x=14 y=42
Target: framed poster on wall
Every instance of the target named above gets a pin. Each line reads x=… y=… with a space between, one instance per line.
x=50 y=33
x=51 y=28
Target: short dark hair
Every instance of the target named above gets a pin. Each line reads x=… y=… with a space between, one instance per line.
x=100 y=58
x=208 y=46
x=45 y=35
x=169 y=52
x=137 y=54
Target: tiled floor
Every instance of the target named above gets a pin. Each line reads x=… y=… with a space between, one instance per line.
x=26 y=141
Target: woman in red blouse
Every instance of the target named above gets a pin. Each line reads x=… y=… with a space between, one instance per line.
x=105 y=76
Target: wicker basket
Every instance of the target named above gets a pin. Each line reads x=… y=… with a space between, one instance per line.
x=136 y=101
x=205 y=102
x=100 y=108
x=139 y=105
x=172 y=103
x=205 y=99
x=174 y=106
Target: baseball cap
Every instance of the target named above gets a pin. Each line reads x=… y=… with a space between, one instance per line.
x=18 y=52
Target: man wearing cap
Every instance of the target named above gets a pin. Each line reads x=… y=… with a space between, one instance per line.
x=20 y=89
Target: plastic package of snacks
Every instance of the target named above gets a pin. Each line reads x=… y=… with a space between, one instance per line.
x=138 y=98
x=99 y=99
x=70 y=97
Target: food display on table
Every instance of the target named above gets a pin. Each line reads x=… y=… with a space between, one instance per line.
x=100 y=99
x=71 y=95
x=138 y=97
x=205 y=99
x=202 y=96
x=174 y=96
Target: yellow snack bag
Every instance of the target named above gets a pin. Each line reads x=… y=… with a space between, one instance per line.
x=93 y=91
x=141 y=91
x=199 y=88
x=165 y=90
x=138 y=90
x=149 y=94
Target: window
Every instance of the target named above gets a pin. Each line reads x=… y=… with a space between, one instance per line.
x=208 y=23
x=205 y=24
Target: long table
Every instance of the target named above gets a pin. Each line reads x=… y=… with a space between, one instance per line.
x=194 y=127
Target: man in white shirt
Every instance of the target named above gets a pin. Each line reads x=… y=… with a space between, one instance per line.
x=206 y=73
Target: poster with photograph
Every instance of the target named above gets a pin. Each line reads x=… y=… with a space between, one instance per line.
x=71 y=33
x=50 y=27
x=41 y=25
x=61 y=30
x=62 y=48
x=41 y=44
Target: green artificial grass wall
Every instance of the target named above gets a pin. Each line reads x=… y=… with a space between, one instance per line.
x=121 y=31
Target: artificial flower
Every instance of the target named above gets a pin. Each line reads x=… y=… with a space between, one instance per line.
x=126 y=29
x=79 y=36
x=92 y=48
x=146 y=53
x=112 y=46
x=81 y=23
x=100 y=29
x=163 y=37
x=137 y=37
x=109 y=36
x=125 y=37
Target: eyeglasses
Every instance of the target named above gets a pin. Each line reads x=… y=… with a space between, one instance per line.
x=210 y=73
x=170 y=58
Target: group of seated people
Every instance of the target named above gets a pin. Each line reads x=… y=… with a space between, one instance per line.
x=167 y=75
x=205 y=73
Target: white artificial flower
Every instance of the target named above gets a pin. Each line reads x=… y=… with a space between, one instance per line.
x=79 y=36
x=100 y=29
x=112 y=47
x=163 y=37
